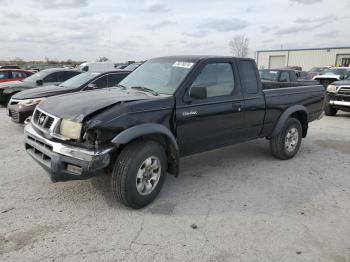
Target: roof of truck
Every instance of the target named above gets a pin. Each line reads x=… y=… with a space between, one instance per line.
x=197 y=57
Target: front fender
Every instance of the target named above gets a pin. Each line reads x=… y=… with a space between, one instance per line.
x=137 y=131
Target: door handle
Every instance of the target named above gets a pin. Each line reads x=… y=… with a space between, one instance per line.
x=237 y=106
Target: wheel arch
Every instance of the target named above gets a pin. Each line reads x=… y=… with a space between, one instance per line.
x=298 y=112
x=158 y=133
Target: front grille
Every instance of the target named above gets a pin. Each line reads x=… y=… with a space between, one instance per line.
x=344 y=90
x=39 y=150
x=43 y=120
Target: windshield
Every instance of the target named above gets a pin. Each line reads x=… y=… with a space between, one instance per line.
x=37 y=76
x=333 y=71
x=316 y=69
x=270 y=75
x=79 y=80
x=162 y=75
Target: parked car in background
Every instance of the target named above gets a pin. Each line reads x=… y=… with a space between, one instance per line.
x=53 y=76
x=332 y=74
x=121 y=66
x=22 y=104
x=278 y=78
x=132 y=66
x=302 y=75
x=338 y=97
x=10 y=67
x=8 y=75
x=96 y=66
x=168 y=108
x=315 y=71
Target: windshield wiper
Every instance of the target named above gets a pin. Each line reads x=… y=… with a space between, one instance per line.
x=123 y=87
x=146 y=89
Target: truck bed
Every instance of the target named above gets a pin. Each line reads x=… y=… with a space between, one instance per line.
x=279 y=99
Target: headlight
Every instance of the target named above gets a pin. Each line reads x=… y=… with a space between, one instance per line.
x=332 y=88
x=30 y=102
x=70 y=129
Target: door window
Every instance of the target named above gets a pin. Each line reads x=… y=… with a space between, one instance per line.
x=63 y=76
x=217 y=79
x=17 y=74
x=4 y=75
x=285 y=77
x=114 y=79
x=53 y=77
x=101 y=82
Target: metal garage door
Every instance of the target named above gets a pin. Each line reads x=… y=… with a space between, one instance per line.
x=277 y=61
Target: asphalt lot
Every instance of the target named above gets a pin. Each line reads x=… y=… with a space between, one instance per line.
x=232 y=204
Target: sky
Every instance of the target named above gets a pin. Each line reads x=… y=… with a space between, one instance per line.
x=141 y=29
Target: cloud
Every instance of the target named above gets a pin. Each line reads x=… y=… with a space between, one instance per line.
x=161 y=24
x=196 y=34
x=154 y=6
x=53 y=4
x=306 y=2
x=329 y=18
x=328 y=34
x=307 y=24
x=224 y=25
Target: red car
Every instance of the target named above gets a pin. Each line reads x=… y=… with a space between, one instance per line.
x=7 y=75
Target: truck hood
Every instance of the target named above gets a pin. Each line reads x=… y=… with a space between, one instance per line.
x=43 y=91
x=337 y=77
x=77 y=106
x=343 y=82
x=17 y=84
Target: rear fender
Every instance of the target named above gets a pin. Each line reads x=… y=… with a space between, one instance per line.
x=296 y=110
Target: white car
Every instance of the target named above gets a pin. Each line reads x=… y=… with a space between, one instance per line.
x=332 y=74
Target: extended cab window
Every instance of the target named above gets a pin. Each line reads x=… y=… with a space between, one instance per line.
x=217 y=79
x=248 y=76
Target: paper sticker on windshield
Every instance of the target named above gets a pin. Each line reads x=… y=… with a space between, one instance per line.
x=183 y=64
x=273 y=72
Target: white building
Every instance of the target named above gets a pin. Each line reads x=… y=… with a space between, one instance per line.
x=305 y=58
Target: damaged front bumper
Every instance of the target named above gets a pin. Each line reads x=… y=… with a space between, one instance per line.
x=65 y=162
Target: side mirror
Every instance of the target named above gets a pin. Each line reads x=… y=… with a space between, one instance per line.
x=91 y=86
x=342 y=77
x=39 y=82
x=198 y=92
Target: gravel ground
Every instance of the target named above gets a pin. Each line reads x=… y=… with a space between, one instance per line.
x=232 y=204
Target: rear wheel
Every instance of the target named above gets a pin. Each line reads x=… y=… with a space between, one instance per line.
x=287 y=143
x=330 y=111
x=139 y=173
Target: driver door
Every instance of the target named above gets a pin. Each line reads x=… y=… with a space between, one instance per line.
x=217 y=119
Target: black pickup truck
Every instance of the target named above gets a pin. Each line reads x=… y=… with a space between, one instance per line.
x=167 y=108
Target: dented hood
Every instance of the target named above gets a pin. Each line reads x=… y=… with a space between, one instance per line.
x=77 y=106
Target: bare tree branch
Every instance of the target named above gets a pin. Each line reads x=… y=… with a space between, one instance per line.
x=239 y=46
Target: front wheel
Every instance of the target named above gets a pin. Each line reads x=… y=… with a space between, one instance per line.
x=287 y=143
x=330 y=111
x=139 y=173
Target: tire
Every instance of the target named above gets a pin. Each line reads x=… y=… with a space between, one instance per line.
x=133 y=161
x=330 y=111
x=283 y=149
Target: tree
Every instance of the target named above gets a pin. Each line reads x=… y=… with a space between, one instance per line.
x=102 y=59
x=239 y=46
